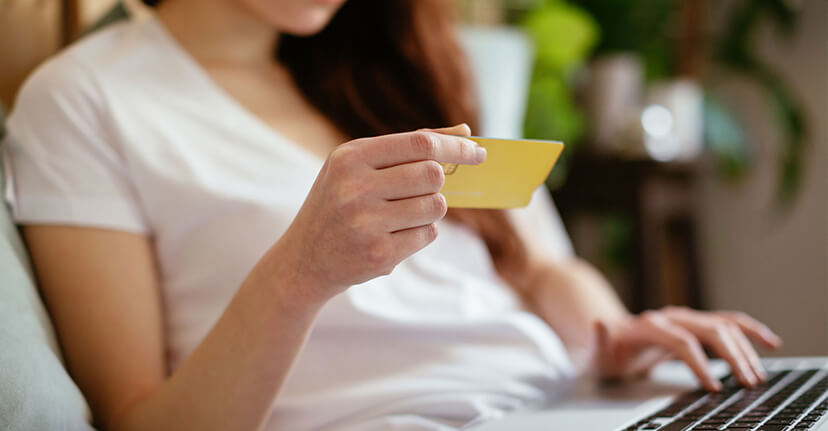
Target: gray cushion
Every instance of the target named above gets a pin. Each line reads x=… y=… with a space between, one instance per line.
x=36 y=392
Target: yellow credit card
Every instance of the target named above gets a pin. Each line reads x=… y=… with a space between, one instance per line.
x=513 y=169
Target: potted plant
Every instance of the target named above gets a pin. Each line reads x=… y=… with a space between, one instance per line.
x=657 y=31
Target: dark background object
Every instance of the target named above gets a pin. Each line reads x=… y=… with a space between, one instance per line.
x=655 y=201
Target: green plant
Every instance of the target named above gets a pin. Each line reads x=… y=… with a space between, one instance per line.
x=648 y=27
x=726 y=139
x=564 y=36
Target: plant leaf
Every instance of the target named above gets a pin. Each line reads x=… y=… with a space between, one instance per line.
x=563 y=35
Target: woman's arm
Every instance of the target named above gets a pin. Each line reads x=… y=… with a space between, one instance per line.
x=602 y=336
x=572 y=296
x=102 y=293
x=374 y=203
x=565 y=291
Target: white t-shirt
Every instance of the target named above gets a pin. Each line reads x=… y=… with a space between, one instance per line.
x=124 y=131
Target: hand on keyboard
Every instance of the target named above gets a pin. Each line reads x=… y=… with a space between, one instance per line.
x=632 y=347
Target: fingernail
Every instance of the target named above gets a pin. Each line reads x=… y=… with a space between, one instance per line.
x=770 y=334
x=449 y=168
x=480 y=154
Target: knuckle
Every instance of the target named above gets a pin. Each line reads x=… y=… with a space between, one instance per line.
x=730 y=328
x=425 y=144
x=719 y=332
x=429 y=233
x=439 y=207
x=379 y=252
x=686 y=343
x=351 y=196
x=677 y=310
x=428 y=206
x=433 y=174
x=740 y=316
x=351 y=212
x=721 y=324
x=464 y=149
x=387 y=269
x=357 y=221
x=341 y=155
x=651 y=318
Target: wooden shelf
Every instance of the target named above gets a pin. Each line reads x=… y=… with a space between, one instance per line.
x=658 y=200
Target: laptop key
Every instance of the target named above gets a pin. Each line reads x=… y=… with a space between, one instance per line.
x=778 y=411
x=678 y=425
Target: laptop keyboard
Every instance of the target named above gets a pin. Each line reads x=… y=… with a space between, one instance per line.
x=791 y=400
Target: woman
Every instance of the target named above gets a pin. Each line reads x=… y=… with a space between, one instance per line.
x=195 y=225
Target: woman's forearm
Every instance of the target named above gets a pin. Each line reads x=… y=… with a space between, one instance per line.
x=572 y=297
x=232 y=379
x=368 y=209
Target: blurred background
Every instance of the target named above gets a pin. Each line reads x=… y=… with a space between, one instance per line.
x=695 y=170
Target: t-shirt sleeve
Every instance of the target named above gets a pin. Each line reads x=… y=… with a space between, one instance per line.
x=61 y=160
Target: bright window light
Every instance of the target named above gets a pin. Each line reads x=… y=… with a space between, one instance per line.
x=660 y=139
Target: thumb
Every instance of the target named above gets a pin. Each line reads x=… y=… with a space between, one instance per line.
x=603 y=352
x=462 y=129
x=603 y=335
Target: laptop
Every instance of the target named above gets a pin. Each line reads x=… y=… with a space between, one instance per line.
x=794 y=398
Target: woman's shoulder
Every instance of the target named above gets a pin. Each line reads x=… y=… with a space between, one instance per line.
x=74 y=75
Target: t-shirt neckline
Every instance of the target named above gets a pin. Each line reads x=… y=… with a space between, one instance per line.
x=212 y=87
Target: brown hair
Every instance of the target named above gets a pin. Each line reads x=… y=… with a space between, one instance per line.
x=386 y=66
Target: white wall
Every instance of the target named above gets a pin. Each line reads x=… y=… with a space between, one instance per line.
x=770 y=263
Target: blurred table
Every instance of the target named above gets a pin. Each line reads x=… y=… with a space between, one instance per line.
x=658 y=200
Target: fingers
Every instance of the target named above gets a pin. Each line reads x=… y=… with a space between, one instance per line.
x=412 y=212
x=682 y=332
x=717 y=334
x=749 y=352
x=409 y=241
x=412 y=223
x=611 y=365
x=409 y=180
x=658 y=330
x=391 y=150
x=459 y=130
x=754 y=329
x=626 y=361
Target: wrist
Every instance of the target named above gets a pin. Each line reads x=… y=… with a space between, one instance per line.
x=289 y=280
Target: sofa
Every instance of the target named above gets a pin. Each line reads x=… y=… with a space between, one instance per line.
x=36 y=392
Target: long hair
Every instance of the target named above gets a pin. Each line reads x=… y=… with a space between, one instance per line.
x=387 y=66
